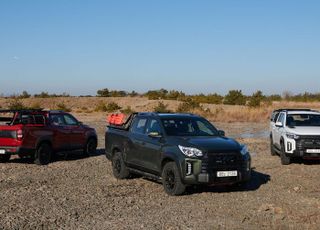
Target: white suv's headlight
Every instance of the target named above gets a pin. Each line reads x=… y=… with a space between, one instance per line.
x=292 y=136
x=244 y=150
x=190 y=152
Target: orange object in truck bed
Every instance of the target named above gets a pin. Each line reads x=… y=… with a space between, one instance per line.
x=116 y=119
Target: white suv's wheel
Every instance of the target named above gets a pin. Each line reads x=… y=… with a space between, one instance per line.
x=272 y=150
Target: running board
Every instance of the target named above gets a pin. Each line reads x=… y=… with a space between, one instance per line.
x=145 y=174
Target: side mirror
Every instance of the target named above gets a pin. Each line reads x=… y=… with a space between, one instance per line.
x=279 y=124
x=221 y=133
x=80 y=123
x=154 y=134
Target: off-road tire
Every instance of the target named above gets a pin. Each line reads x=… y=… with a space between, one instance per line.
x=285 y=160
x=90 y=147
x=119 y=168
x=4 y=158
x=171 y=180
x=43 y=154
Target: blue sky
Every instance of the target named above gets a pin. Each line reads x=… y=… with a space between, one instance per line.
x=209 y=46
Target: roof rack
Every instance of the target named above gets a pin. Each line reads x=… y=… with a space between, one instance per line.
x=19 y=110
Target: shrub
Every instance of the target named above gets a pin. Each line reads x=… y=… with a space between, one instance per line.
x=101 y=107
x=161 y=108
x=133 y=94
x=188 y=106
x=24 y=94
x=16 y=104
x=63 y=107
x=42 y=95
x=127 y=110
x=112 y=106
x=235 y=97
x=111 y=93
x=255 y=99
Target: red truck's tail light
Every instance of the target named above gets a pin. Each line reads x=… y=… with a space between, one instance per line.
x=19 y=134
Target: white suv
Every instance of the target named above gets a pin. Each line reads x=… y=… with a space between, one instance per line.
x=295 y=133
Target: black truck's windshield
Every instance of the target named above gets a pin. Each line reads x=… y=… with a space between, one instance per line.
x=303 y=120
x=188 y=127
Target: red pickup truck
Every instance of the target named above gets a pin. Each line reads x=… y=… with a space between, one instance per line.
x=40 y=133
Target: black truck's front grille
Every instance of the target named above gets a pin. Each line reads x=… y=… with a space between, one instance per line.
x=221 y=161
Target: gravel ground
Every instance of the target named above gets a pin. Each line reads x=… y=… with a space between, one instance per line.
x=81 y=193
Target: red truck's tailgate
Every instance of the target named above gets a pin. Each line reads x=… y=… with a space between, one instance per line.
x=8 y=135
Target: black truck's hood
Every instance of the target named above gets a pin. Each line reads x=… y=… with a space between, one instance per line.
x=210 y=144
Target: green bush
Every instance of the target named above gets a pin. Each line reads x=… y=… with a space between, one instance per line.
x=24 y=94
x=256 y=99
x=188 y=106
x=112 y=93
x=235 y=97
x=112 y=106
x=161 y=108
x=42 y=95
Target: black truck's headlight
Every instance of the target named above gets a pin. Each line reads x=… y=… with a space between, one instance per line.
x=244 y=150
x=190 y=151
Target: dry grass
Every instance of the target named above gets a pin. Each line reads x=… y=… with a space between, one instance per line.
x=219 y=113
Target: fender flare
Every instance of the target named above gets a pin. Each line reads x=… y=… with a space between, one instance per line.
x=47 y=139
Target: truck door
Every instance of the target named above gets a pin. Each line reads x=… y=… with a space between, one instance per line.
x=77 y=137
x=151 y=156
x=136 y=143
x=61 y=133
x=277 y=131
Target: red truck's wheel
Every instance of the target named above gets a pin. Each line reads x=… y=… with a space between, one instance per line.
x=4 y=158
x=43 y=154
x=90 y=148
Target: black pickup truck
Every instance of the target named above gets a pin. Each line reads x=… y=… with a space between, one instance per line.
x=177 y=149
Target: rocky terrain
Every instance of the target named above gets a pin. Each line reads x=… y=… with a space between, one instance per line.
x=81 y=193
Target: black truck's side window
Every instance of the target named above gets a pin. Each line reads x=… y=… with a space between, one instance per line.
x=153 y=126
x=139 y=125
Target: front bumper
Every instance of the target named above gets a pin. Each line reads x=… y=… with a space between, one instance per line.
x=305 y=147
x=206 y=172
x=13 y=150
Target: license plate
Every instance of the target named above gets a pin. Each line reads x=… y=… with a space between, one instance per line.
x=227 y=173
x=2 y=151
x=313 y=150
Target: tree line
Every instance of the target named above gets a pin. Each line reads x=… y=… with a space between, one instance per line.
x=233 y=97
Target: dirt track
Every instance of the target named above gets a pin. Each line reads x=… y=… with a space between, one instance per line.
x=81 y=193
